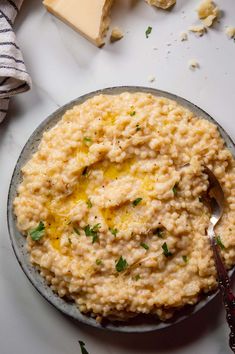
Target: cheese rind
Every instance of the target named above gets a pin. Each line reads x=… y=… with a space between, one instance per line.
x=89 y=17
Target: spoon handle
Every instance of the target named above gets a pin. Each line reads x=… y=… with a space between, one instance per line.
x=226 y=290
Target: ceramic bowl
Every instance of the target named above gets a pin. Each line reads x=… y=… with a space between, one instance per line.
x=139 y=324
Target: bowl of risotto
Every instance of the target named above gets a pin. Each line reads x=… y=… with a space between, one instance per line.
x=107 y=212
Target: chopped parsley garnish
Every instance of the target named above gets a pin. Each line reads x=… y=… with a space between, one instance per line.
x=137 y=277
x=144 y=245
x=121 y=264
x=82 y=346
x=185 y=259
x=136 y=201
x=166 y=252
x=76 y=231
x=87 y=140
x=159 y=232
x=85 y=171
x=138 y=127
x=98 y=262
x=113 y=231
x=92 y=232
x=219 y=242
x=37 y=233
x=69 y=239
x=95 y=238
x=132 y=113
x=175 y=189
x=89 y=203
x=148 y=31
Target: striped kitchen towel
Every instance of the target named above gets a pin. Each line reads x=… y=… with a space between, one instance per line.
x=13 y=75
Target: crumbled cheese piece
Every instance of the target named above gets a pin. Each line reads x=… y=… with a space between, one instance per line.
x=183 y=36
x=230 y=31
x=193 y=64
x=163 y=4
x=116 y=34
x=151 y=78
x=208 y=12
x=198 y=30
x=89 y=17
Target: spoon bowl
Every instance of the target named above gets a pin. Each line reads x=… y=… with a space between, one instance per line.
x=216 y=200
x=216 y=196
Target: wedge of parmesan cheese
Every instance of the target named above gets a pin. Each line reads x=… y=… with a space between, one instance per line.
x=163 y=4
x=88 y=17
x=208 y=12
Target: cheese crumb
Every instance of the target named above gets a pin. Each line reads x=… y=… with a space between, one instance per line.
x=183 y=36
x=151 y=78
x=193 y=64
x=208 y=12
x=116 y=34
x=198 y=30
x=230 y=31
x=163 y=4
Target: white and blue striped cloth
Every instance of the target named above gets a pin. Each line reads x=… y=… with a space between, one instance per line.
x=13 y=75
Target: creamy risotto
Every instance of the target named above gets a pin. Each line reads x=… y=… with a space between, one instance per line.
x=113 y=218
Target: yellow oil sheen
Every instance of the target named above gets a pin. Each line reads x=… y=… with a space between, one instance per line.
x=59 y=209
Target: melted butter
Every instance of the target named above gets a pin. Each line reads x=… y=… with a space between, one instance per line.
x=115 y=171
x=166 y=121
x=111 y=172
x=109 y=118
x=54 y=224
x=56 y=244
x=147 y=183
x=117 y=217
x=124 y=216
x=59 y=209
x=79 y=193
x=59 y=212
x=108 y=215
x=83 y=149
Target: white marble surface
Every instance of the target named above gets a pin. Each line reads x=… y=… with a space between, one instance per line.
x=63 y=66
